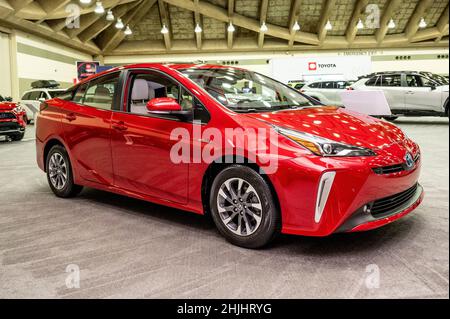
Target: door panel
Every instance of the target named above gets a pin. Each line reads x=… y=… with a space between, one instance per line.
x=141 y=149
x=88 y=135
x=141 y=144
x=87 y=127
x=421 y=97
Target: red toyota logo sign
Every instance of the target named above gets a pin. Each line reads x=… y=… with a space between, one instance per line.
x=312 y=66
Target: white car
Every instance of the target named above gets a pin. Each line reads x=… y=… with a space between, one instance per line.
x=409 y=93
x=327 y=92
x=32 y=99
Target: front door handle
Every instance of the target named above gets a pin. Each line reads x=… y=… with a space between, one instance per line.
x=71 y=117
x=120 y=126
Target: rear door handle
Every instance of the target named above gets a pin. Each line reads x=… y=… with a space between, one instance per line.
x=71 y=117
x=120 y=126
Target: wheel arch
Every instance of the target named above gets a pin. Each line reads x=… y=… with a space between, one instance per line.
x=48 y=146
x=222 y=163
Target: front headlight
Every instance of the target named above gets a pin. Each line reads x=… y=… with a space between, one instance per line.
x=322 y=146
x=18 y=109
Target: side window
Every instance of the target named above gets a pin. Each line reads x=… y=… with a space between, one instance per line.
x=26 y=97
x=34 y=96
x=394 y=80
x=186 y=100
x=327 y=85
x=100 y=93
x=43 y=95
x=341 y=85
x=426 y=82
x=79 y=95
x=148 y=86
x=375 y=81
x=314 y=85
x=189 y=102
x=413 y=80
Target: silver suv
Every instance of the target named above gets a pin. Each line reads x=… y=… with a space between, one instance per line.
x=409 y=93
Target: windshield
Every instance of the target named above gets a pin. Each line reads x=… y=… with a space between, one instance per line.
x=246 y=91
x=441 y=80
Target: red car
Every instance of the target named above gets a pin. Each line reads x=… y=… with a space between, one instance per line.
x=12 y=120
x=257 y=155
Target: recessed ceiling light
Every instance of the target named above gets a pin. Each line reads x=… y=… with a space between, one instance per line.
x=164 y=30
x=296 y=26
x=128 y=31
x=110 y=16
x=198 y=28
x=391 y=24
x=99 y=8
x=328 y=26
x=85 y=1
x=119 y=24
x=231 y=27
x=360 y=25
x=422 y=23
x=263 y=28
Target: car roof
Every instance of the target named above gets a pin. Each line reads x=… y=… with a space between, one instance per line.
x=162 y=67
x=395 y=72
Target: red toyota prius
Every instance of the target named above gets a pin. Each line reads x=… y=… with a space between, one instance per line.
x=258 y=156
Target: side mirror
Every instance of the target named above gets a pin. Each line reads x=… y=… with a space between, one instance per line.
x=168 y=106
x=163 y=105
x=433 y=87
x=42 y=100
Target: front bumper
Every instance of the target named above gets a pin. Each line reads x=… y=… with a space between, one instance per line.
x=366 y=219
x=357 y=182
x=11 y=128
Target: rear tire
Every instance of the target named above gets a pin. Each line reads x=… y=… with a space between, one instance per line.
x=59 y=173
x=246 y=216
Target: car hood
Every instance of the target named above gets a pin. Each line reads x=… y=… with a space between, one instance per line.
x=336 y=124
x=6 y=106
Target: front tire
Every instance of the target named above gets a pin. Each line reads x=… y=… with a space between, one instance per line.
x=17 y=137
x=59 y=173
x=243 y=207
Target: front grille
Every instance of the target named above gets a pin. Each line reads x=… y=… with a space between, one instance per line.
x=394 y=168
x=392 y=203
x=8 y=126
x=6 y=116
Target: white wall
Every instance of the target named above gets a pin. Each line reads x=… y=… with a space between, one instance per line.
x=5 y=65
x=39 y=59
x=435 y=66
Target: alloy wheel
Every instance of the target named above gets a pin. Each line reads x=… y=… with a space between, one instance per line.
x=58 y=171
x=239 y=207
